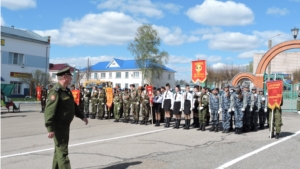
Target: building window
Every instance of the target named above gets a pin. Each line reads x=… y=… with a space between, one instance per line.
x=136 y=85
x=110 y=75
x=118 y=84
x=16 y=58
x=136 y=74
x=95 y=75
x=126 y=74
x=102 y=75
x=53 y=75
x=17 y=89
x=118 y=75
x=126 y=85
x=169 y=76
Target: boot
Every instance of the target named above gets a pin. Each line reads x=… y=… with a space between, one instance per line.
x=92 y=116
x=207 y=121
x=223 y=131
x=217 y=128
x=212 y=128
x=239 y=130
x=169 y=119
x=227 y=131
x=175 y=126
x=272 y=135
x=196 y=122
x=193 y=124
x=277 y=136
x=200 y=127
x=178 y=123
x=133 y=122
x=203 y=127
x=166 y=122
x=236 y=131
x=186 y=124
x=156 y=121
x=142 y=122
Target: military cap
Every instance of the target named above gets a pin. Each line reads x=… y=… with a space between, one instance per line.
x=99 y=87
x=261 y=90
x=253 y=88
x=64 y=71
x=237 y=87
x=226 y=86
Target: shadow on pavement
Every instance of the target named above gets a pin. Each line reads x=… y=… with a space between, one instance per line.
x=123 y=165
x=13 y=116
x=285 y=134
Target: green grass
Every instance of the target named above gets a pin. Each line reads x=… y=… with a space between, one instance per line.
x=23 y=99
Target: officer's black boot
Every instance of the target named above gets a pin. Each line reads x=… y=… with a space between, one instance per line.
x=272 y=135
x=158 y=122
x=212 y=128
x=200 y=127
x=193 y=124
x=166 y=124
x=226 y=131
x=207 y=121
x=277 y=136
x=133 y=122
x=217 y=128
x=169 y=121
x=142 y=122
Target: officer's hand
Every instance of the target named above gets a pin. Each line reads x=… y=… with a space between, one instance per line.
x=251 y=109
x=243 y=109
x=265 y=110
x=50 y=134
x=85 y=120
x=232 y=109
x=201 y=108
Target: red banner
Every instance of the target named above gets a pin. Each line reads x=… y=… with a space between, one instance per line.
x=199 y=71
x=76 y=95
x=109 y=96
x=275 y=89
x=39 y=93
x=150 y=93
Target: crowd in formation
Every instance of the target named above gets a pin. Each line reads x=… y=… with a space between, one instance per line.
x=244 y=109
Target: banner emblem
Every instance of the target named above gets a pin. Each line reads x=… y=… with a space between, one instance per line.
x=275 y=89
x=199 y=71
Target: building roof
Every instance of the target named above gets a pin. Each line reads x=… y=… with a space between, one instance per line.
x=56 y=67
x=118 y=64
x=22 y=34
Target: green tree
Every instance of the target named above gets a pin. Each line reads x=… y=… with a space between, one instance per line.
x=37 y=77
x=250 y=67
x=145 y=50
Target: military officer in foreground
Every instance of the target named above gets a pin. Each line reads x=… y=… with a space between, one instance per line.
x=59 y=113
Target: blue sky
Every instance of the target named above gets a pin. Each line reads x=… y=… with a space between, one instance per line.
x=222 y=32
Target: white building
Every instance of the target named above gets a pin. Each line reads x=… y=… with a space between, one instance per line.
x=54 y=68
x=283 y=63
x=125 y=72
x=22 y=52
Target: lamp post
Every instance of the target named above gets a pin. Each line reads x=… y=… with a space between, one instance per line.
x=270 y=46
x=295 y=32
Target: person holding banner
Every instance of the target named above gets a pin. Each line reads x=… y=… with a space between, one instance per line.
x=237 y=105
x=167 y=104
x=177 y=106
x=157 y=106
x=187 y=106
x=203 y=109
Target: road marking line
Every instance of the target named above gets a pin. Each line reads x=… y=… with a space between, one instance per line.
x=89 y=142
x=230 y=163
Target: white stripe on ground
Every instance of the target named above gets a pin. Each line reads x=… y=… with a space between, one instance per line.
x=230 y=163
x=89 y=142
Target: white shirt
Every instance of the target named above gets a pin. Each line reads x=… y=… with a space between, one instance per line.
x=157 y=99
x=187 y=96
x=177 y=97
x=168 y=95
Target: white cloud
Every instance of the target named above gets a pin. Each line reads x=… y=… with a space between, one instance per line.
x=172 y=8
x=210 y=59
x=136 y=7
x=266 y=35
x=249 y=54
x=81 y=62
x=94 y=29
x=2 y=21
x=218 y=13
x=277 y=11
x=207 y=30
x=18 y=4
x=108 y=28
x=179 y=60
x=232 y=41
x=218 y=65
x=174 y=36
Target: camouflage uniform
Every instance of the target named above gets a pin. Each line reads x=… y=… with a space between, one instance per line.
x=126 y=106
x=247 y=119
x=101 y=104
x=254 y=110
x=44 y=97
x=86 y=98
x=117 y=105
x=203 y=111
x=145 y=107
x=135 y=106
x=94 y=101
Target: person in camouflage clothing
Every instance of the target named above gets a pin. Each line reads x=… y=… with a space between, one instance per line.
x=145 y=106
x=135 y=106
x=126 y=105
x=101 y=103
x=117 y=105
x=94 y=101
x=86 y=99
